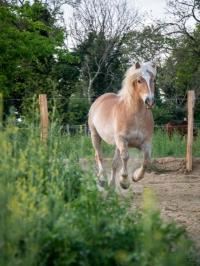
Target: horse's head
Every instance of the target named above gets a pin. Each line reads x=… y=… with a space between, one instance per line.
x=144 y=84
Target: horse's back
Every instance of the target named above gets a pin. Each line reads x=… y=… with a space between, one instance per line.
x=101 y=116
x=105 y=100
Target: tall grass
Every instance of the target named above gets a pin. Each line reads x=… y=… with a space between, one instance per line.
x=53 y=214
x=165 y=146
x=162 y=145
x=174 y=146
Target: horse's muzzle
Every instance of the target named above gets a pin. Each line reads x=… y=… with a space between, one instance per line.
x=150 y=102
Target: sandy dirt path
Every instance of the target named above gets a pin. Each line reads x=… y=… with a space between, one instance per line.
x=177 y=193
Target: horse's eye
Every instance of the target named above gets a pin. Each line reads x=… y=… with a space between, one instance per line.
x=139 y=81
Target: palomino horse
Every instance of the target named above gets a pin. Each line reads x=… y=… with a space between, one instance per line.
x=125 y=120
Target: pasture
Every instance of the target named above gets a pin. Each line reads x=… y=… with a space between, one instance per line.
x=99 y=66
x=52 y=212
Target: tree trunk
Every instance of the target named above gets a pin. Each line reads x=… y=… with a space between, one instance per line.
x=89 y=91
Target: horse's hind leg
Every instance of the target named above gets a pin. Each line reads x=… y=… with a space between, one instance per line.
x=139 y=173
x=96 y=142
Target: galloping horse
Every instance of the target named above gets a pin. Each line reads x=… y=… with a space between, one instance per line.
x=125 y=120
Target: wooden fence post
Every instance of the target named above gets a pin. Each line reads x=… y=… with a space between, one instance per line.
x=190 y=107
x=44 y=121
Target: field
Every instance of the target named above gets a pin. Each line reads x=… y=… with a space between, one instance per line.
x=56 y=59
x=52 y=212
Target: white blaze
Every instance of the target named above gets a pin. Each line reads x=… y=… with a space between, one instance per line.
x=146 y=70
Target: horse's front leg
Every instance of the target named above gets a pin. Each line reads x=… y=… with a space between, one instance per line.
x=115 y=167
x=139 y=173
x=122 y=145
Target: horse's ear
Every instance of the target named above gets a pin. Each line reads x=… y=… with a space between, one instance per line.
x=137 y=65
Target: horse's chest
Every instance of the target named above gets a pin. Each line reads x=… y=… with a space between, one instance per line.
x=136 y=137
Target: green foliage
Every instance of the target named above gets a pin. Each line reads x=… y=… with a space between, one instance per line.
x=33 y=58
x=26 y=42
x=77 y=110
x=102 y=63
x=162 y=114
x=53 y=214
x=181 y=70
x=147 y=44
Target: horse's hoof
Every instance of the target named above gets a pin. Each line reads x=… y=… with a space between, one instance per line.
x=138 y=174
x=136 y=178
x=124 y=183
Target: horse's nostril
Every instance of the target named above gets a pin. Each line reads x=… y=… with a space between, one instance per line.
x=147 y=100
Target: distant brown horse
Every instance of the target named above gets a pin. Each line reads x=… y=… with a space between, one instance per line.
x=125 y=120
x=179 y=128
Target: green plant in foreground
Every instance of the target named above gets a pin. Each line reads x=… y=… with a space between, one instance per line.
x=53 y=214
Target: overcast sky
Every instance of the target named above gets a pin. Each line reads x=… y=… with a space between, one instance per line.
x=155 y=7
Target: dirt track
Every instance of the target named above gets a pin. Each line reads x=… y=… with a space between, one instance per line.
x=177 y=193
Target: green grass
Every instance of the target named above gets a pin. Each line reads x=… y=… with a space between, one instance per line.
x=52 y=212
x=162 y=145
x=176 y=146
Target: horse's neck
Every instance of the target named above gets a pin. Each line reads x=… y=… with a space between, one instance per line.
x=136 y=105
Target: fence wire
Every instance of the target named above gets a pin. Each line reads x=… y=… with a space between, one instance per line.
x=82 y=128
x=163 y=100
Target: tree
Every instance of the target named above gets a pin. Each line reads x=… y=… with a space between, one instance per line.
x=33 y=56
x=181 y=70
x=148 y=43
x=96 y=75
x=98 y=29
x=182 y=14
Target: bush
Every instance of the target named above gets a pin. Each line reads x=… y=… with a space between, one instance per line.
x=53 y=214
x=77 y=110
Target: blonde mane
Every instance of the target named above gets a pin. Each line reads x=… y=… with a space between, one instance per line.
x=127 y=84
x=131 y=75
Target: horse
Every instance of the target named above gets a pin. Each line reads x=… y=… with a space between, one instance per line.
x=180 y=128
x=126 y=121
x=173 y=127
